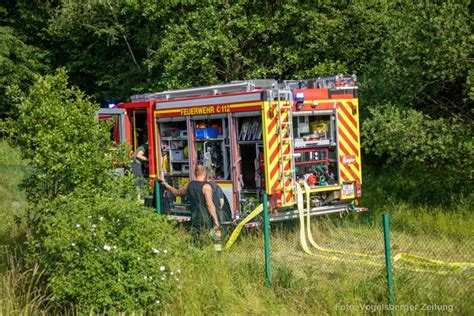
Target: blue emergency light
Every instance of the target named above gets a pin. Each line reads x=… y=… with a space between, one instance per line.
x=299 y=97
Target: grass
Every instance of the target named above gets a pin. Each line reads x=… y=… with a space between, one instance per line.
x=20 y=292
x=12 y=203
x=233 y=282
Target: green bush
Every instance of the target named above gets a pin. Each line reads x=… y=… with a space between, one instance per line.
x=410 y=140
x=104 y=251
x=99 y=248
x=57 y=131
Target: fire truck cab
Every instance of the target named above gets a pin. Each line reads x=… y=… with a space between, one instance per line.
x=259 y=136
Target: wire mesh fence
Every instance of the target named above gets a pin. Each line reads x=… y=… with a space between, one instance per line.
x=338 y=264
x=433 y=268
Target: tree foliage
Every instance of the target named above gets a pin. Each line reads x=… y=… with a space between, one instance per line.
x=424 y=71
x=414 y=141
x=59 y=134
x=161 y=45
x=19 y=62
x=425 y=60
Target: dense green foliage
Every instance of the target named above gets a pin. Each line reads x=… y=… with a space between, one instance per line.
x=107 y=252
x=98 y=247
x=438 y=150
x=18 y=64
x=57 y=131
x=418 y=91
x=425 y=60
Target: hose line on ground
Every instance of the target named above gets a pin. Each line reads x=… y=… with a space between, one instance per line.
x=405 y=257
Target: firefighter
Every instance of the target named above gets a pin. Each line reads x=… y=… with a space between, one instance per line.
x=203 y=211
x=139 y=159
x=217 y=193
x=219 y=198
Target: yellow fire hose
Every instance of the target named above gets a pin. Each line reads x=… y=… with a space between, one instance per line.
x=303 y=241
x=406 y=257
x=310 y=235
x=236 y=232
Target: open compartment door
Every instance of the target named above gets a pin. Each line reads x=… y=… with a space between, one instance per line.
x=118 y=130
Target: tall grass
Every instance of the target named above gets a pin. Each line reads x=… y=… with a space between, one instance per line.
x=21 y=289
x=12 y=201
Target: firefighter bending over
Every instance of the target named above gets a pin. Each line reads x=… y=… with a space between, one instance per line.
x=203 y=211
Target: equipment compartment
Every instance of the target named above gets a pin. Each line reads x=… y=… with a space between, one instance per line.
x=212 y=145
x=250 y=149
x=315 y=149
x=174 y=149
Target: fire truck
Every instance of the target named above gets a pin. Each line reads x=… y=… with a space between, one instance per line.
x=259 y=136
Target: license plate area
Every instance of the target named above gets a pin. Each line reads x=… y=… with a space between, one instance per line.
x=348 y=190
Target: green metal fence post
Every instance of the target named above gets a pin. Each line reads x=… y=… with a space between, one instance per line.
x=158 y=197
x=388 y=261
x=266 y=236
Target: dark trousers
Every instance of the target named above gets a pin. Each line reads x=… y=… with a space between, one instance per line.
x=137 y=170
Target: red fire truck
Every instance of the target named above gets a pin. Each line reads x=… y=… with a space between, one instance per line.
x=260 y=136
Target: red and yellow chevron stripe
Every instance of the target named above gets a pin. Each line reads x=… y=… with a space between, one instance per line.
x=349 y=141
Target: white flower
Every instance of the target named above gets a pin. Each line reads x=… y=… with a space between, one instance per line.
x=176 y=279
x=151 y=278
x=115 y=247
x=157 y=301
x=138 y=258
x=101 y=218
x=145 y=277
x=162 y=268
x=162 y=278
x=171 y=273
x=178 y=271
x=155 y=250
x=90 y=216
x=94 y=225
x=73 y=244
x=107 y=247
x=78 y=225
x=165 y=251
x=77 y=254
x=95 y=249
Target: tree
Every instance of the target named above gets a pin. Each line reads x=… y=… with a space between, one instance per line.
x=58 y=133
x=425 y=60
x=19 y=62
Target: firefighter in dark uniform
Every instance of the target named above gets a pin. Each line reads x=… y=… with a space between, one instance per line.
x=203 y=211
